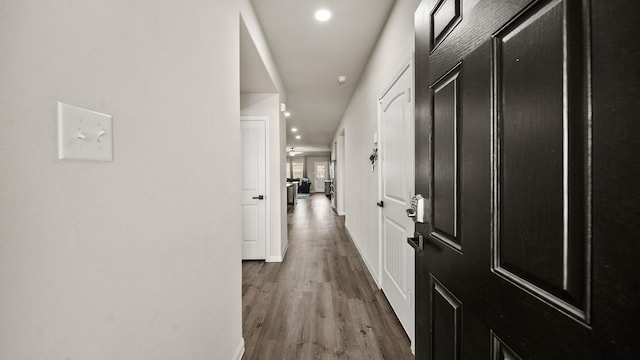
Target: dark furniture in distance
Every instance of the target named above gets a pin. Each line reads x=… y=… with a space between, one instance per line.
x=304 y=187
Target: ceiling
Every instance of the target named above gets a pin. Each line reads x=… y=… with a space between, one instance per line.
x=310 y=55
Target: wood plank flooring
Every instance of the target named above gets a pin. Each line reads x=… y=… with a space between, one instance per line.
x=321 y=302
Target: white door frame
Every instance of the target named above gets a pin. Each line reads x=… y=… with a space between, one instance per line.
x=411 y=66
x=267 y=185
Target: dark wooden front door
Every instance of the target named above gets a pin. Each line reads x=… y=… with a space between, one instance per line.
x=527 y=152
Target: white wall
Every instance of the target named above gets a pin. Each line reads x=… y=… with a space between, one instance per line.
x=255 y=30
x=138 y=258
x=268 y=105
x=393 y=50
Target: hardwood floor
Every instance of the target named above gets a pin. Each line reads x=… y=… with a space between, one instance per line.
x=321 y=302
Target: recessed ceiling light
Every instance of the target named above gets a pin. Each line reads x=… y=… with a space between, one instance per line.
x=342 y=79
x=287 y=114
x=294 y=129
x=323 y=15
x=298 y=137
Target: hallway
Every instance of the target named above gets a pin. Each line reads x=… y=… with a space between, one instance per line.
x=321 y=302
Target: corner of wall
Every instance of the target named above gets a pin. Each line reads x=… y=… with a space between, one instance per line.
x=248 y=14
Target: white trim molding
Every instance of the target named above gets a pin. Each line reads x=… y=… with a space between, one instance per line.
x=278 y=258
x=374 y=275
x=239 y=351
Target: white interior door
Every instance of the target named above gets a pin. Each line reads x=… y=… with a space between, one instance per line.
x=320 y=171
x=397 y=183
x=253 y=189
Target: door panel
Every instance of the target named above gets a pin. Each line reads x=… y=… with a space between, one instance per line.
x=500 y=350
x=540 y=169
x=250 y=215
x=394 y=259
x=393 y=148
x=520 y=258
x=446 y=116
x=444 y=17
x=396 y=166
x=446 y=312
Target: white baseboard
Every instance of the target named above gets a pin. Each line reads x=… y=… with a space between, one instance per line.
x=284 y=251
x=239 y=351
x=279 y=258
x=373 y=274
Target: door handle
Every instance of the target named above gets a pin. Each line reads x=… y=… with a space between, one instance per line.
x=417 y=242
x=380 y=203
x=259 y=197
x=411 y=213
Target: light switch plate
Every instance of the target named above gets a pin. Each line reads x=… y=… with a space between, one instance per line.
x=84 y=134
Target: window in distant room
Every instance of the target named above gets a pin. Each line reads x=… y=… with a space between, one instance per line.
x=321 y=171
x=297 y=165
x=287 y=169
